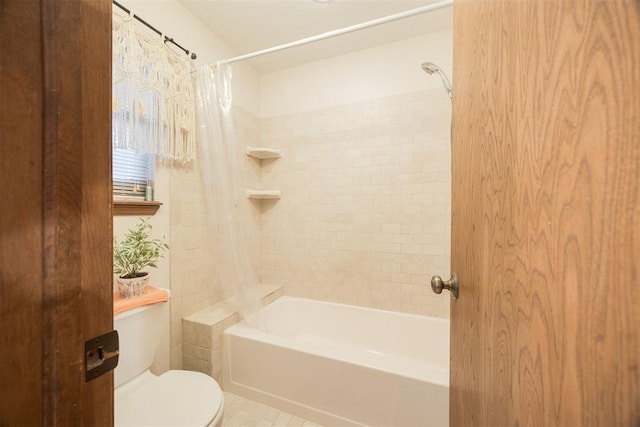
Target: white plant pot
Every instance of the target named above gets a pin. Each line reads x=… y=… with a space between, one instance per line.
x=134 y=287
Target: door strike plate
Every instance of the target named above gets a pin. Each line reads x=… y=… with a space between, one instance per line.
x=101 y=355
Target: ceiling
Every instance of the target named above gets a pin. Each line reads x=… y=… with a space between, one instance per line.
x=251 y=25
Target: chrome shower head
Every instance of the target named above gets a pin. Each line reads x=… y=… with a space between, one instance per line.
x=430 y=68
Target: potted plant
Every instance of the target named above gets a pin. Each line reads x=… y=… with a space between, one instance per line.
x=136 y=251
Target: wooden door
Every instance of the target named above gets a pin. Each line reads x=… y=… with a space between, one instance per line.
x=546 y=213
x=55 y=220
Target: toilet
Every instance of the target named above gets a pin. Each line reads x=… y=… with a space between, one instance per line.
x=175 y=398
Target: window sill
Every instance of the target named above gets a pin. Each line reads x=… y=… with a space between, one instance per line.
x=134 y=207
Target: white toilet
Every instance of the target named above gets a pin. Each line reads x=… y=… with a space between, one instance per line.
x=175 y=398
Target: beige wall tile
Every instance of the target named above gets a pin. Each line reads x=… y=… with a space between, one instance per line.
x=365 y=212
x=202 y=268
x=364 y=218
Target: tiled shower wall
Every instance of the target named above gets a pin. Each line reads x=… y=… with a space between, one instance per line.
x=364 y=216
x=201 y=264
x=365 y=211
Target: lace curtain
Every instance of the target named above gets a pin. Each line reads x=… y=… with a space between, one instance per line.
x=153 y=96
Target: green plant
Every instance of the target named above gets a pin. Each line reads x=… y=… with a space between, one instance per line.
x=137 y=250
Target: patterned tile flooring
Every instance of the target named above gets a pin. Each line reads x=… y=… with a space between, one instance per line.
x=241 y=412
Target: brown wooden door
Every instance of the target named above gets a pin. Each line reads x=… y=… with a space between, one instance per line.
x=55 y=219
x=546 y=213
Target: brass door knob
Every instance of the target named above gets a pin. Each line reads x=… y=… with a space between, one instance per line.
x=437 y=285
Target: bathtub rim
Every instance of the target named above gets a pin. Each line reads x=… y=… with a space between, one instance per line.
x=435 y=373
x=341 y=304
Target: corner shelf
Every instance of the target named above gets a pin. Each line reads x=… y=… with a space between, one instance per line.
x=263 y=194
x=263 y=153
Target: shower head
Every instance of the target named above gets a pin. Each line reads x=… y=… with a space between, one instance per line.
x=430 y=68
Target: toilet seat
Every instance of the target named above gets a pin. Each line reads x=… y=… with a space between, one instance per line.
x=175 y=398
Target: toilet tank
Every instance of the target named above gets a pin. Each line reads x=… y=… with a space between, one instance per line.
x=140 y=331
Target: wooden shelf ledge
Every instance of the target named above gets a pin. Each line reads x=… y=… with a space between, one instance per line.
x=135 y=207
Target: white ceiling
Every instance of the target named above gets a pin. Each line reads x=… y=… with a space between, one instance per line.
x=251 y=25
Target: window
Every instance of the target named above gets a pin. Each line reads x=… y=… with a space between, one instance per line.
x=133 y=168
x=153 y=111
x=132 y=172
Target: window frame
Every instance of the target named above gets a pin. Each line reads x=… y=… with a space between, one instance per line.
x=126 y=206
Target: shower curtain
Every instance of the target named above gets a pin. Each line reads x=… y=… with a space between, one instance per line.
x=227 y=211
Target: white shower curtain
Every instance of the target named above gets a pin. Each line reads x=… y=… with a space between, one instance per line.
x=227 y=210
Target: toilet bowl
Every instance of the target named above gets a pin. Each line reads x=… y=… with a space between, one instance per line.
x=174 y=398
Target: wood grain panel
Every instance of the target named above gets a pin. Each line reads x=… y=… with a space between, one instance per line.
x=83 y=206
x=467 y=320
x=62 y=215
x=21 y=213
x=55 y=171
x=50 y=203
x=97 y=228
x=546 y=150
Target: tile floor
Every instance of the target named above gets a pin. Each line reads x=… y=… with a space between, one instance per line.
x=241 y=412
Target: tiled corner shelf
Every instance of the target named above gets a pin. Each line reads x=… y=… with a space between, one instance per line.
x=263 y=153
x=263 y=194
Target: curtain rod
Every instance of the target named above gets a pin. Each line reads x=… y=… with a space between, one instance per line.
x=154 y=29
x=341 y=31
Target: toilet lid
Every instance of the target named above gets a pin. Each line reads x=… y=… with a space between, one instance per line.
x=175 y=398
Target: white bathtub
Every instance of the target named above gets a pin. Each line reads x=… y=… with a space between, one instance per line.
x=337 y=364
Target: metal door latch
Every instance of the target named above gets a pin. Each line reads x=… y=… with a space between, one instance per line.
x=101 y=355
